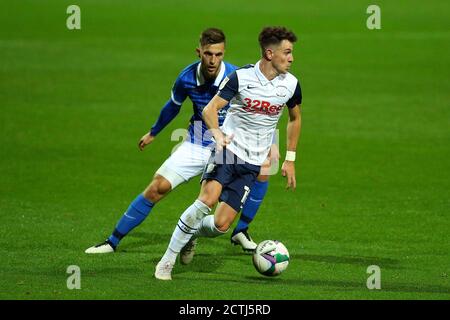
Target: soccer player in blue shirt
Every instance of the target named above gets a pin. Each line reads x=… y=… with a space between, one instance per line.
x=198 y=81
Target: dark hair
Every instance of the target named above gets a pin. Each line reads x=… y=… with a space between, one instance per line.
x=212 y=36
x=274 y=35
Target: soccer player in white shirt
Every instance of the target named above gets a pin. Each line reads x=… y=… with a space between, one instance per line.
x=257 y=95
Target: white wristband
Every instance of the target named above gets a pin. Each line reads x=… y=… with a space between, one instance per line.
x=290 y=155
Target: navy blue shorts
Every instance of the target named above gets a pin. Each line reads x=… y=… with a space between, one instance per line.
x=234 y=174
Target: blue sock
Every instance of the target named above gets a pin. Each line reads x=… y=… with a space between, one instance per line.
x=135 y=214
x=251 y=206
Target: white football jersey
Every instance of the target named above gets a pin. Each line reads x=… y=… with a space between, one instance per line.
x=256 y=105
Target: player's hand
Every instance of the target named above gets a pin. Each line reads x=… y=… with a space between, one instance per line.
x=145 y=140
x=222 y=140
x=288 y=171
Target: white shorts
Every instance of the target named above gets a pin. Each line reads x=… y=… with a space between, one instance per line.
x=186 y=162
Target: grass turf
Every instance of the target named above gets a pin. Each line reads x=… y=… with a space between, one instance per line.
x=373 y=167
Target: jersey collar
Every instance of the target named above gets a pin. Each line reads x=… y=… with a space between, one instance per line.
x=262 y=78
x=201 y=79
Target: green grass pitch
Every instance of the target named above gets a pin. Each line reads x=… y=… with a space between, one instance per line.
x=374 y=157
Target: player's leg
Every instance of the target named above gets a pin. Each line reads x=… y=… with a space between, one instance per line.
x=218 y=223
x=187 y=226
x=140 y=208
x=233 y=197
x=186 y=162
x=211 y=226
x=135 y=214
x=240 y=234
x=229 y=182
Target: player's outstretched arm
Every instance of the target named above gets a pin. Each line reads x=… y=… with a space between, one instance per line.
x=293 y=134
x=167 y=114
x=210 y=116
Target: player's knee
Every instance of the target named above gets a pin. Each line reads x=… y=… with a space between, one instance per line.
x=223 y=227
x=157 y=189
x=222 y=223
x=208 y=200
x=210 y=193
x=263 y=178
x=151 y=193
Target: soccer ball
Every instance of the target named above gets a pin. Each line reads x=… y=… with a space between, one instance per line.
x=271 y=258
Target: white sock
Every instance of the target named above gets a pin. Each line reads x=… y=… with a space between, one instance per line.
x=170 y=255
x=186 y=227
x=208 y=228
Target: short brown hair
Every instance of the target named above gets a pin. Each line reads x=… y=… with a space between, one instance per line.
x=274 y=35
x=212 y=36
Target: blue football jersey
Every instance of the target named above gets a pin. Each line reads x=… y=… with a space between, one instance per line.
x=191 y=83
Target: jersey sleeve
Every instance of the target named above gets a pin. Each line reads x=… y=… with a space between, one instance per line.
x=296 y=97
x=179 y=93
x=229 y=86
x=167 y=114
